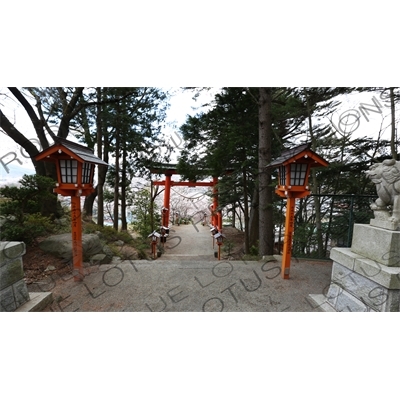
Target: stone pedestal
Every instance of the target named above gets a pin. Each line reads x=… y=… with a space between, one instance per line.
x=14 y=295
x=365 y=277
x=13 y=289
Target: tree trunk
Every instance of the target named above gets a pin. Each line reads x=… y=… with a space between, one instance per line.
x=393 y=135
x=102 y=170
x=239 y=218
x=124 y=223
x=152 y=206
x=246 y=213
x=88 y=206
x=317 y=200
x=254 y=222
x=266 y=228
x=116 y=184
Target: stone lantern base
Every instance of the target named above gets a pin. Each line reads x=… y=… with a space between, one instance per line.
x=365 y=277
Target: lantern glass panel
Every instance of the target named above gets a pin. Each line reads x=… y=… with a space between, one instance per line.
x=282 y=176
x=298 y=174
x=86 y=172
x=69 y=171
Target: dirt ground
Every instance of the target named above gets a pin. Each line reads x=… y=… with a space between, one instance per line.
x=38 y=265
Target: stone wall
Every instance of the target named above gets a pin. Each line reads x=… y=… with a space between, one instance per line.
x=13 y=289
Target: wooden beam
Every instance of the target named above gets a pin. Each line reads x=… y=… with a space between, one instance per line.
x=190 y=184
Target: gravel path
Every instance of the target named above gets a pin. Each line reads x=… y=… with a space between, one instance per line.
x=187 y=277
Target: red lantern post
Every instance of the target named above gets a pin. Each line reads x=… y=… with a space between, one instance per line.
x=76 y=225
x=294 y=168
x=75 y=173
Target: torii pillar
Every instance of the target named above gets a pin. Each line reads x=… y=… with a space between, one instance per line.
x=167 y=195
x=216 y=217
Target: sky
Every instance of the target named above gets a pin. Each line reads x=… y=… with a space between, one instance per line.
x=364 y=114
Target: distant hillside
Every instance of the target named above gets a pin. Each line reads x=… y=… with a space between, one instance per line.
x=16 y=172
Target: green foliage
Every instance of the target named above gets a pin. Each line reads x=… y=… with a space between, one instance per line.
x=141 y=209
x=142 y=249
x=22 y=208
x=32 y=227
x=251 y=257
x=28 y=198
x=107 y=233
x=228 y=246
x=254 y=250
x=133 y=116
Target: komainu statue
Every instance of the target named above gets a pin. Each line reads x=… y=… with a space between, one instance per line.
x=386 y=176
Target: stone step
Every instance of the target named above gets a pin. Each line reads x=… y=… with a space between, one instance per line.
x=192 y=262
x=37 y=302
x=319 y=303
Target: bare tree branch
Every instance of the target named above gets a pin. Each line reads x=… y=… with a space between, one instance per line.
x=37 y=123
x=41 y=114
x=19 y=138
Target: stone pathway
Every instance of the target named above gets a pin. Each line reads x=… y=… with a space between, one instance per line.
x=190 y=280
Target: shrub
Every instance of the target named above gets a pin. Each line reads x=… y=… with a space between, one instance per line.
x=254 y=250
x=142 y=212
x=107 y=233
x=28 y=198
x=21 y=208
x=228 y=247
x=32 y=227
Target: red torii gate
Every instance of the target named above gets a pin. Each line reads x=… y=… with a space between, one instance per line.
x=168 y=171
